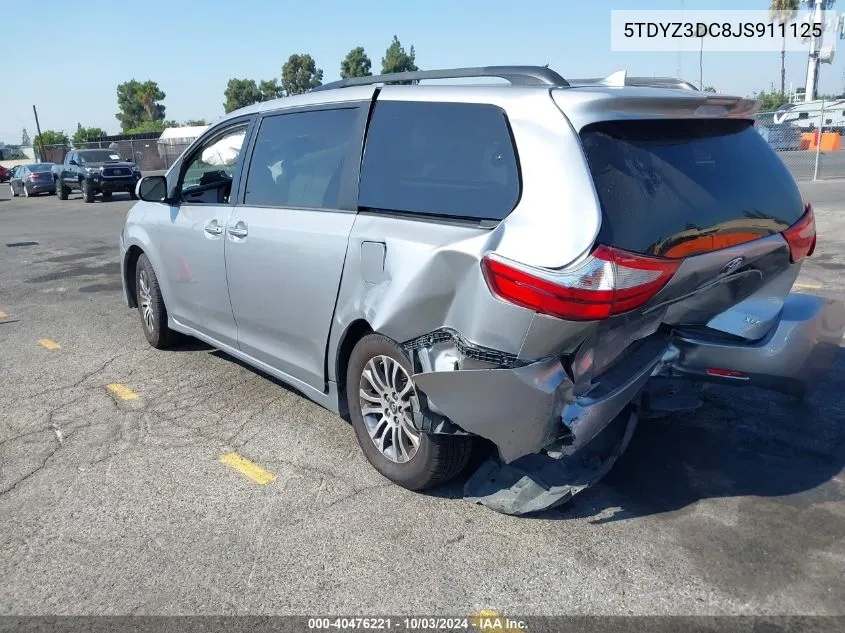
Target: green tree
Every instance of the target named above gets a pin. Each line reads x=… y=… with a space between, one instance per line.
x=270 y=89
x=52 y=140
x=138 y=102
x=195 y=122
x=84 y=134
x=356 y=64
x=771 y=100
x=240 y=93
x=396 y=60
x=783 y=12
x=300 y=74
x=25 y=138
x=709 y=89
x=151 y=127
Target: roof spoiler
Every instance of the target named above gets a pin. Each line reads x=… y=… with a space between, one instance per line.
x=620 y=79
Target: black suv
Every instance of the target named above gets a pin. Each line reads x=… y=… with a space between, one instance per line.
x=94 y=171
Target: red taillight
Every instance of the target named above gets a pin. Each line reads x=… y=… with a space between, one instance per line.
x=726 y=373
x=801 y=236
x=32 y=177
x=610 y=281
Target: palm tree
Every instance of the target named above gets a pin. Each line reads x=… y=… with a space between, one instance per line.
x=783 y=12
x=149 y=104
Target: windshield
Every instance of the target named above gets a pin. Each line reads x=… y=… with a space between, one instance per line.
x=98 y=156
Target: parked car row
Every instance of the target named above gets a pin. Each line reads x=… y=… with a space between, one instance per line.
x=91 y=171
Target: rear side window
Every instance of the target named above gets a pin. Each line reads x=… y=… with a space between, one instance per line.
x=665 y=185
x=299 y=158
x=445 y=159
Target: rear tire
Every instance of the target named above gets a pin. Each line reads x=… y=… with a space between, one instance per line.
x=436 y=458
x=26 y=193
x=12 y=189
x=151 y=306
x=87 y=191
x=61 y=190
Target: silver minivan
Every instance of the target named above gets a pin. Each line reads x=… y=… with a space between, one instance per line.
x=537 y=263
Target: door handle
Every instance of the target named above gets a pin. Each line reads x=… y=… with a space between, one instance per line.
x=239 y=230
x=213 y=228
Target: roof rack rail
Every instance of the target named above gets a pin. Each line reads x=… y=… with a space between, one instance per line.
x=647 y=82
x=516 y=75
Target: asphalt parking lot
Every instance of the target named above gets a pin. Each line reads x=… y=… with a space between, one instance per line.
x=114 y=498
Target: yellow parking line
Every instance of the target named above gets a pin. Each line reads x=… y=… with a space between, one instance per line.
x=809 y=286
x=48 y=344
x=121 y=391
x=248 y=468
x=3 y=315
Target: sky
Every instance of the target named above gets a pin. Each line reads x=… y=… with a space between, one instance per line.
x=70 y=67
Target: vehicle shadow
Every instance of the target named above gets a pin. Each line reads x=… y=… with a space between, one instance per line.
x=224 y=356
x=191 y=344
x=741 y=442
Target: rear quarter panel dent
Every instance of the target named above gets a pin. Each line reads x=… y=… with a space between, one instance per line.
x=432 y=280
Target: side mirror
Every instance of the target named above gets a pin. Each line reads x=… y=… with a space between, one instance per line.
x=152 y=189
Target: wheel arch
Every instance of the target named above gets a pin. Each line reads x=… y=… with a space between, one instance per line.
x=130 y=264
x=354 y=332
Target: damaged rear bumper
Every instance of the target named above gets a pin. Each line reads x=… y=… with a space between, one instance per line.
x=527 y=409
x=792 y=358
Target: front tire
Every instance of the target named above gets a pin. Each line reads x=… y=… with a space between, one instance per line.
x=87 y=191
x=381 y=398
x=151 y=306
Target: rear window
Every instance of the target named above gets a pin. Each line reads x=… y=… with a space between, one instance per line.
x=40 y=167
x=446 y=159
x=665 y=183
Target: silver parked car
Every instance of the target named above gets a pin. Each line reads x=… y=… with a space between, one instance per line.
x=537 y=264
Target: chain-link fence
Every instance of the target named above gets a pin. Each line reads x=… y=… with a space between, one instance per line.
x=150 y=155
x=809 y=137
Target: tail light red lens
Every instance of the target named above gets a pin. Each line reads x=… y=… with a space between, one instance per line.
x=726 y=373
x=801 y=236
x=610 y=281
x=31 y=177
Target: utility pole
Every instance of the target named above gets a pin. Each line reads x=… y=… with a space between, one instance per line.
x=815 y=49
x=38 y=128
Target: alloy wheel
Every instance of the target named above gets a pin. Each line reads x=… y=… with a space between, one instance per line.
x=384 y=395
x=146 y=300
